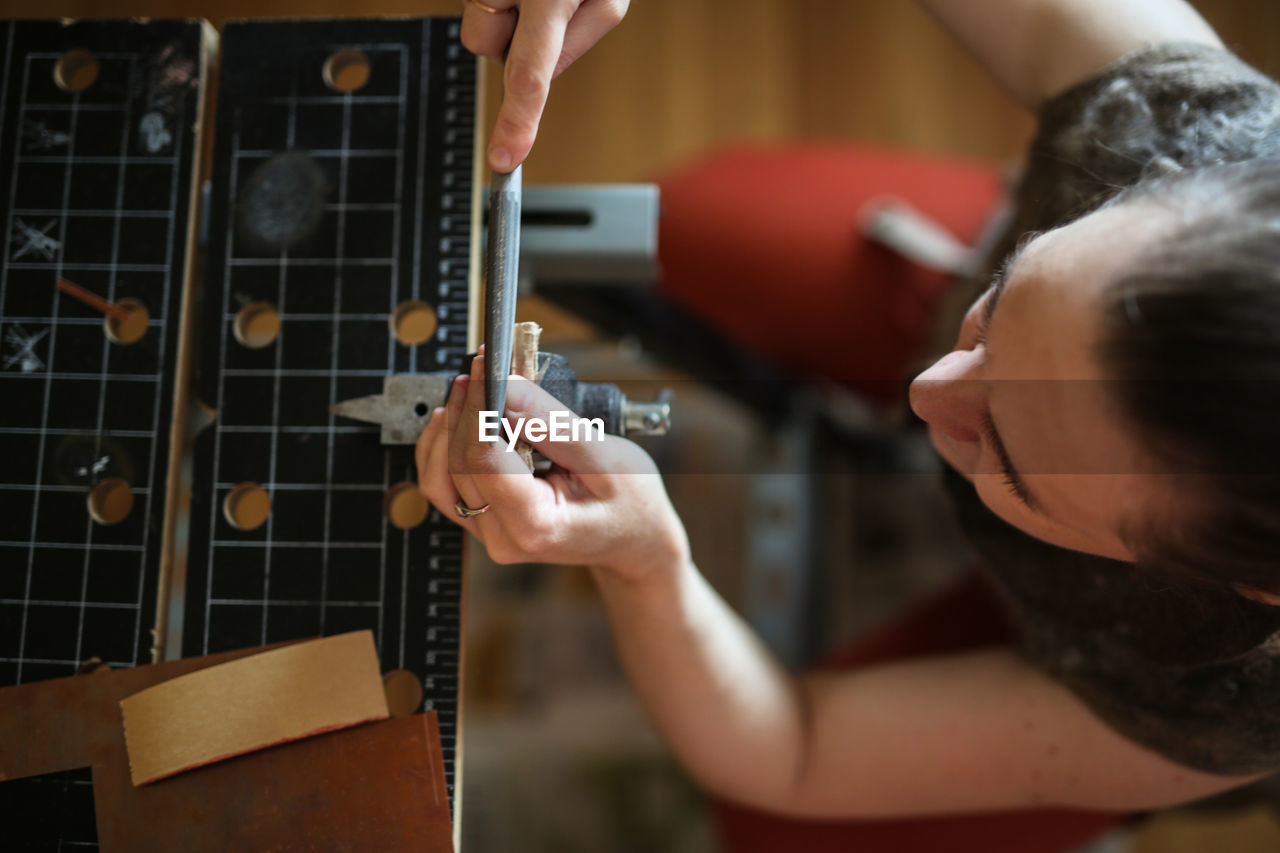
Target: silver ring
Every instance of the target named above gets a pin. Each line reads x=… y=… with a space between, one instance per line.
x=465 y=511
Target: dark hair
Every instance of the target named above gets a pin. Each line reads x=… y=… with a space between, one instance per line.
x=1191 y=336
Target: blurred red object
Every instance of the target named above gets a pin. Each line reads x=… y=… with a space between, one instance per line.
x=764 y=244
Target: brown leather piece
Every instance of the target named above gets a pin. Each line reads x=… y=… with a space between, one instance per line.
x=64 y=723
x=378 y=787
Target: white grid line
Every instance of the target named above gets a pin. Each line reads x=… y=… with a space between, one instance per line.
x=105 y=214
x=112 y=433
x=222 y=357
x=59 y=266
x=287 y=602
x=364 y=206
x=419 y=222
x=341 y=249
x=117 y=377
x=45 y=488
x=303 y=372
x=106 y=354
x=73 y=107
x=69 y=321
x=259 y=153
x=382 y=554
x=312 y=430
x=313 y=262
x=305 y=487
x=99 y=54
x=53 y=335
x=281 y=338
x=100 y=605
x=333 y=99
x=101 y=161
x=4 y=89
x=284 y=316
x=115 y=664
x=391 y=342
x=262 y=543
x=76 y=545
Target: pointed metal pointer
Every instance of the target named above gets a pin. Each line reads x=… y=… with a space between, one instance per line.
x=404 y=406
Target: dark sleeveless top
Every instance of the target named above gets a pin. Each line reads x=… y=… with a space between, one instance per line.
x=1190 y=673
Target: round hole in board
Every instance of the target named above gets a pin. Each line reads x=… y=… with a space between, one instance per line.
x=75 y=70
x=404 y=506
x=257 y=325
x=247 y=506
x=421 y=410
x=404 y=692
x=346 y=70
x=130 y=329
x=413 y=322
x=111 y=501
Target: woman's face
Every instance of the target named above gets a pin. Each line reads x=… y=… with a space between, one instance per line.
x=1020 y=407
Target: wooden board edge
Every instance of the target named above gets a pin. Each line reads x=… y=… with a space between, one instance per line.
x=176 y=503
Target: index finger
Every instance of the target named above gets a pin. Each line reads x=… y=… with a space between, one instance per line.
x=530 y=67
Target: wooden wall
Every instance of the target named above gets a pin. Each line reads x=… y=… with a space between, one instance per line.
x=679 y=77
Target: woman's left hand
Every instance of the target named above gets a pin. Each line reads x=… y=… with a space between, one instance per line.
x=602 y=505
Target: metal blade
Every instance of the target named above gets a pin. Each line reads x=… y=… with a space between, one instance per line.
x=372 y=409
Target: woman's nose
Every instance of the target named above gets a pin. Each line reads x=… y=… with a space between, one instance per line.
x=950 y=395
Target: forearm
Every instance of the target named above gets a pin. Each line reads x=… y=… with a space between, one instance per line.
x=730 y=713
x=1036 y=49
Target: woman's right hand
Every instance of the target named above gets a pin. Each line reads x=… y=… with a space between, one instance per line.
x=602 y=505
x=545 y=38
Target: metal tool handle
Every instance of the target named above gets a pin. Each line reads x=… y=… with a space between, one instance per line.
x=502 y=268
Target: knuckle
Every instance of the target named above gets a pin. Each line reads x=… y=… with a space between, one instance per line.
x=438 y=501
x=476 y=458
x=470 y=35
x=529 y=539
x=526 y=81
x=479 y=37
x=502 y=553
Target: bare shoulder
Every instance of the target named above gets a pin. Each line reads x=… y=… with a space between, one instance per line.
x=1036 y=49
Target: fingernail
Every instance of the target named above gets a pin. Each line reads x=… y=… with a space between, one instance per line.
x=459 y=386
x=500 y=159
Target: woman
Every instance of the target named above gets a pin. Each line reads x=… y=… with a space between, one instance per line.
x=1106 y=422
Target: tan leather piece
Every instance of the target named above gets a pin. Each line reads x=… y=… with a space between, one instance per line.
x=255 y=702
